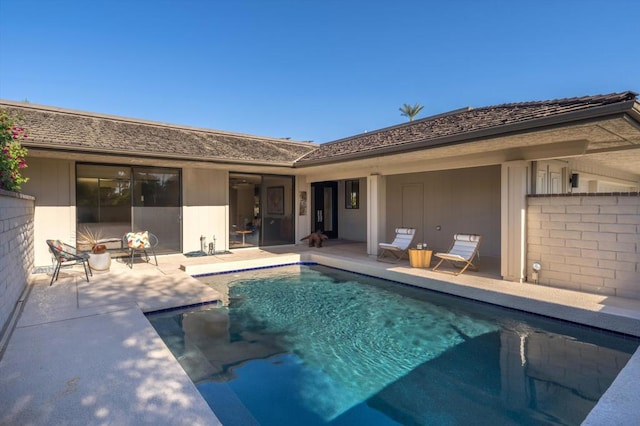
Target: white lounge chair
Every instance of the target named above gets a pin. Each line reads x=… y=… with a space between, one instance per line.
x=463 y=251
x=399 y=247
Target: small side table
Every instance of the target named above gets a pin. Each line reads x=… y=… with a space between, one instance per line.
x=243 y=233
x=420 y=258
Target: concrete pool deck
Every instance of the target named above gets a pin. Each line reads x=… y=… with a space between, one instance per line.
x=84 y=353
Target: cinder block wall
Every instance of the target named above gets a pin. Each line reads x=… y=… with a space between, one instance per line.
x=16 y=250
x=586 y=242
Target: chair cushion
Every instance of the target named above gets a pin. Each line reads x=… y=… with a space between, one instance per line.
x=466 y=237
x=62 y=255
x=406 y=231
x=138 y=240
x=57 y=244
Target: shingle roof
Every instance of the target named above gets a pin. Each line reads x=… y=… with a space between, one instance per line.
x=71 y=130
x=459 y=124
x=60 y=129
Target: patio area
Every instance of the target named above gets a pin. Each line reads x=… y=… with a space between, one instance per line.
x=84 y=353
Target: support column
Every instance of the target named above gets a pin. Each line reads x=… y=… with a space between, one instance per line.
x=515 y=185
x=376 y=212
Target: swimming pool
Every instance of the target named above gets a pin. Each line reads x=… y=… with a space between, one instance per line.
x=314 y=345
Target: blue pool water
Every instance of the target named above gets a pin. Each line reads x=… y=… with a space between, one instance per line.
x=310 y=345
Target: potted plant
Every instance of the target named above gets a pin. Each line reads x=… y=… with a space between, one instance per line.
x=100 y=258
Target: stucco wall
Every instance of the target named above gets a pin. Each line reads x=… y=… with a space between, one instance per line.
x=303 y=221
x=353 y=222
x=586 y=242
x=52 y=183
x=16 y=249
x=205 y=208
x=442 y=203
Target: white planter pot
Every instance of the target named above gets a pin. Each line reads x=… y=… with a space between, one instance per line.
x=100 y=262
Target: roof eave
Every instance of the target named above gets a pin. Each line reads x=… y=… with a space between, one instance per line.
x=136 y=121
x=155 y=156
x=626 y=108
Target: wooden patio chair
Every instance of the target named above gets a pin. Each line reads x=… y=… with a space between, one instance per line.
x=463 y=251
x=399 y=248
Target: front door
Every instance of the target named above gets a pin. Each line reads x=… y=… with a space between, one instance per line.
x=325 y=203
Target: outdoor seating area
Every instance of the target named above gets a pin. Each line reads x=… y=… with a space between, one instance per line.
x=128 y=247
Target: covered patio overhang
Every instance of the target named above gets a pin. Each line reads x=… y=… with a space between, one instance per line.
x=608 y=147
x=612 y=142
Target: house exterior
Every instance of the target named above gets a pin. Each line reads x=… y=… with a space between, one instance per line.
x=554 y=182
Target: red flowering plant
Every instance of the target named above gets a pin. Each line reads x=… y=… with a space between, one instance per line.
x=12 y=154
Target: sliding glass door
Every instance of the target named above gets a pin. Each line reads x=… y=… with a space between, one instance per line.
x=260 y=210
x=156 y=205
x=103 y=202
x=114 y=200
x=277 y=201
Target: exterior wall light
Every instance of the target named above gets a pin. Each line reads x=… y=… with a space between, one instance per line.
x=536 y=268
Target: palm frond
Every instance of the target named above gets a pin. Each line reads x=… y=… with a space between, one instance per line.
x=410 y=110
x=89 y=235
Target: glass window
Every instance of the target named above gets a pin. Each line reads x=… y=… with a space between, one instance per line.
x=278 y=208
x=156 y=187
x=352 y=194
x=113 y=200
x=103 y=201
x=260 y=210
x=156 y=205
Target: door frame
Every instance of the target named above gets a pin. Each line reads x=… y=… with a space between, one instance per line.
x=319 y=204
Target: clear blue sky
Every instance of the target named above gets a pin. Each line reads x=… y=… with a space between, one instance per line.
x=311 y=69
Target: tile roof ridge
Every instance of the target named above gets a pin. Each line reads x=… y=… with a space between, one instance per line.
x=60 y=110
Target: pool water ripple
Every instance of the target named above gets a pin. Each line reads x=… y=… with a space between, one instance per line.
x=361 y=338
x=313 y=345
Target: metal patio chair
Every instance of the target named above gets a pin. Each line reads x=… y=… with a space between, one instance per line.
x=140 y=242
x=65 y=254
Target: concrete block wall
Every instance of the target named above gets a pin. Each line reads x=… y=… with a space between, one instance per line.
x=16 y=250
x=586 y=242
